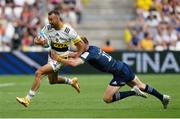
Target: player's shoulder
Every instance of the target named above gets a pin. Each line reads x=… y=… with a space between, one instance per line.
x=94 y=50
x=91 y=47
x=67 y=28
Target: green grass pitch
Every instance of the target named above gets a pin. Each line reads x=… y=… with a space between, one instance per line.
x=62 y=101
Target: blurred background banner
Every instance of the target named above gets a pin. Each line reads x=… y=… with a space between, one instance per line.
x=18 y=62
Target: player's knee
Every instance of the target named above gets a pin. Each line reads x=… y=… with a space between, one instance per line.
x=141 y=86
x=107 y=99
x=38 y=73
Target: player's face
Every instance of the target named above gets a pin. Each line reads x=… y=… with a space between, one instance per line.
x=53 y=20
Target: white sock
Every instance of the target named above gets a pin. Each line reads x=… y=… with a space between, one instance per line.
x=31 y=94
x=67 y=80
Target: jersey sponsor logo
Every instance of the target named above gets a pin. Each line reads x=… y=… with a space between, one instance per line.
x=60 y=46
x=158 y=62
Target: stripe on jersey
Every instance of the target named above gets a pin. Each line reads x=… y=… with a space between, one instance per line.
x=78 y=39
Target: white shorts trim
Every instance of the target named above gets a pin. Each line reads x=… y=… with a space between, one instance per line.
x=54 y=64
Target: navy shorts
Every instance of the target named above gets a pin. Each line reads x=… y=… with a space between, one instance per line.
x=123 y=76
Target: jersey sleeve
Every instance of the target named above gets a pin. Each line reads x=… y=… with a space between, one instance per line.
x=73 y=36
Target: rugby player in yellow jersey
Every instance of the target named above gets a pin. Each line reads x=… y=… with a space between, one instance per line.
x=57 y=36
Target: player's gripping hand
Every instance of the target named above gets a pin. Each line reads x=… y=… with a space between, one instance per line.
x=41 y=39
x=72 y=54
x=58 y=57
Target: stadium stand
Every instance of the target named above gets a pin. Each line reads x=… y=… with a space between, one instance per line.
x=21 y=20
x=102 y=19
x=124 y=22
x=158 y=18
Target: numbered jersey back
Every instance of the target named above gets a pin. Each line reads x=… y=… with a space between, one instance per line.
x=99 y=59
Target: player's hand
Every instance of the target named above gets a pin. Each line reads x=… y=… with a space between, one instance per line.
x=72 y=54
x=40 y=41
x=54 y=55
x=58 y=57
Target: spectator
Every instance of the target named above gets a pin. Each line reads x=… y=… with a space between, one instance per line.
x=16 y=42
x=78 y=10
x=134 y=41
x=178 y=43
x=172 y=34
x=158 y=42
x=127 y=35
x=147 y=43
x=26 y=40
x=108 y=47
x=69 y=15
x=161 y=19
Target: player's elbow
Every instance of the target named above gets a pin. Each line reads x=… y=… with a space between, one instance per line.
x=107 y=99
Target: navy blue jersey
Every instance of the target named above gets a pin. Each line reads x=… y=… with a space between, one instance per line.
x=101 y=60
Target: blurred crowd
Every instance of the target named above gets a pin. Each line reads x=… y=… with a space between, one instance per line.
x=20 y=20
x=156 y=26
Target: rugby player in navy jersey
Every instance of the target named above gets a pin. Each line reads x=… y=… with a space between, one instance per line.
x=122 y=74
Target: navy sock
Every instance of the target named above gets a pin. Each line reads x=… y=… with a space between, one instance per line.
x=153 y=92
x=121 y=95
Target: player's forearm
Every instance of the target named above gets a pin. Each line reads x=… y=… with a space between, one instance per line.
x=81 y=47
x=64 y=61
x=71 y=61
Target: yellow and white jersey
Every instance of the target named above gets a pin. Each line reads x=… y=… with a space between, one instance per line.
x=59 y=40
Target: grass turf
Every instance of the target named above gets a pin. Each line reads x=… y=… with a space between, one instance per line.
x=62 y=101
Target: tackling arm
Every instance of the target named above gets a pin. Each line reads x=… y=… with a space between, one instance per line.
x=70 y=61
x=81 y=47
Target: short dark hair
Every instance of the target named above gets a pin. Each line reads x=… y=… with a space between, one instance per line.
x=108 y=42
x=84 y=39
x=54 y=12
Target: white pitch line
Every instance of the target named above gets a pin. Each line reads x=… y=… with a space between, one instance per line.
x=6 y=84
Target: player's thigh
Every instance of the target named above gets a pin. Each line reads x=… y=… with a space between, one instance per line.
x=110 y=91
x=136 y=82
x=52 y=77
x=45 y=70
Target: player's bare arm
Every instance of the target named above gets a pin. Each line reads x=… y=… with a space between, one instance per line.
x=70 y=61
x=81 y=47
